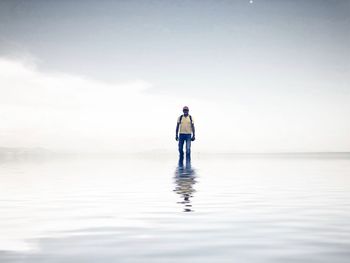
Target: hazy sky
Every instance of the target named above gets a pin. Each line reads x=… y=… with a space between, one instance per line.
x=272 y=75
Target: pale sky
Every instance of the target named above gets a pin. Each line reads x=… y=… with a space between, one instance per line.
x=267 y=76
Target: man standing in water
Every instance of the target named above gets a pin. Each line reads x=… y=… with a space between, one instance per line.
x=186 y=127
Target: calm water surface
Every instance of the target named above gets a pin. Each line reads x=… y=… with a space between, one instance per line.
x=148 y=209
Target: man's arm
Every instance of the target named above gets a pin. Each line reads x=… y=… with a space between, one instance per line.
x=193 y=133
x=177 y=131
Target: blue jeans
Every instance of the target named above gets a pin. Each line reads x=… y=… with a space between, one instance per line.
x=182 y=138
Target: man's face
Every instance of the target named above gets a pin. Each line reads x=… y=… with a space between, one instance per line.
x=185 y=112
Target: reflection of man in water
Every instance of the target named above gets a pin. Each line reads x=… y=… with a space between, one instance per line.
x=186 y=127
x=184 y=180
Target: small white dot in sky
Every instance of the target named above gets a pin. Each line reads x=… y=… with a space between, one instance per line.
x=251 y=1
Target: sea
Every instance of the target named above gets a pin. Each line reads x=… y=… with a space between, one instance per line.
x=151 y=208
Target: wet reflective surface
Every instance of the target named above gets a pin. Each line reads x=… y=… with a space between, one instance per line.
x=145 y=209
x=185 y=179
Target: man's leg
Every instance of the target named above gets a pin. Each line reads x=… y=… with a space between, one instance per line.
x=188 y=147
x=181 y=146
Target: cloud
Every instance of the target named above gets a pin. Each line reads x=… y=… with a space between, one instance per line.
x=68 y=112
x=63 y=111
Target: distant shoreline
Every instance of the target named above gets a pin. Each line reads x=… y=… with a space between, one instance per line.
x=7 y=153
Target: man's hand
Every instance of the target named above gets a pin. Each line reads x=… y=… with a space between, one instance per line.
x=176 y=137
x=193 y=138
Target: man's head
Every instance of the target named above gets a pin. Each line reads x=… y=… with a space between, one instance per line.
x=185 y=110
